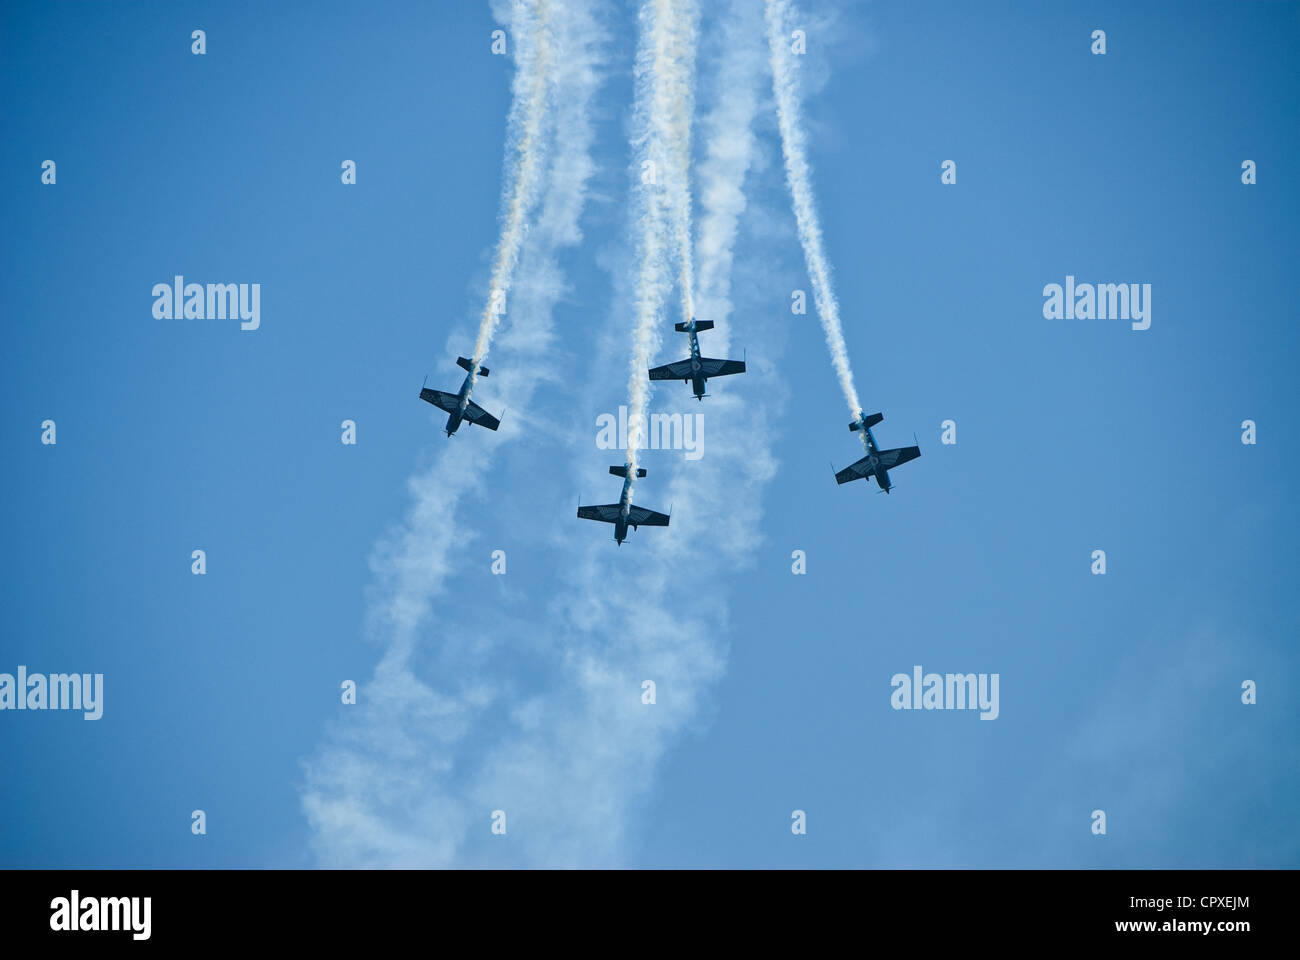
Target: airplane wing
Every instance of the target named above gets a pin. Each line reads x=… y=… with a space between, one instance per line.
x=444 y=401
x=607 y=512
x=888 y=459
x=641 y=517
x=900 y=455
x=476 y=414
x=855 y=471
x=720 y=368
x=681 y=370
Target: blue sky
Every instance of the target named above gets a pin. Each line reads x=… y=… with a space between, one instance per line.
x=521 y=692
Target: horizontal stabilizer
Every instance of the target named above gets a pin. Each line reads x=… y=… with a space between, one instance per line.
x=622 y=472
x=872 y=420
x=699 y=325
x=469 y=365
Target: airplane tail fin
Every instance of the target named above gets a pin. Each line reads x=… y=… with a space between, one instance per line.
x=469 y=365
x=872 y=420
x=622 y=472
x=699 y=325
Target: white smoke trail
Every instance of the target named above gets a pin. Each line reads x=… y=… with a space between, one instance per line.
x=546 y=720
x=594 y=756
x=664 y=69
x=590 y=757
x=377 y=793
x=530 y=32
x=729 y=152
x=723 y=489
x=686 y=19
x=574 y=759
x=798 y=174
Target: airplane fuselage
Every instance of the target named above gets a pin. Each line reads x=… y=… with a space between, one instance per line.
x=697 y=378
x=624 y=508
x=454 y=419
x=873 y=452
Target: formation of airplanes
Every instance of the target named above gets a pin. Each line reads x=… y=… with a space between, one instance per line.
x=695 y=370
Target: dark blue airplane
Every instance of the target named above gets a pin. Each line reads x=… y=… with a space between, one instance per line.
x=877 y=462
x=696 y=369
x=625 y=513
x=459 y=405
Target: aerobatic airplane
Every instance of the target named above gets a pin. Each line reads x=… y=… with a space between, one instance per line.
x=625 y=513
x=696 y=369
x=459 y=405
x=877 y=462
